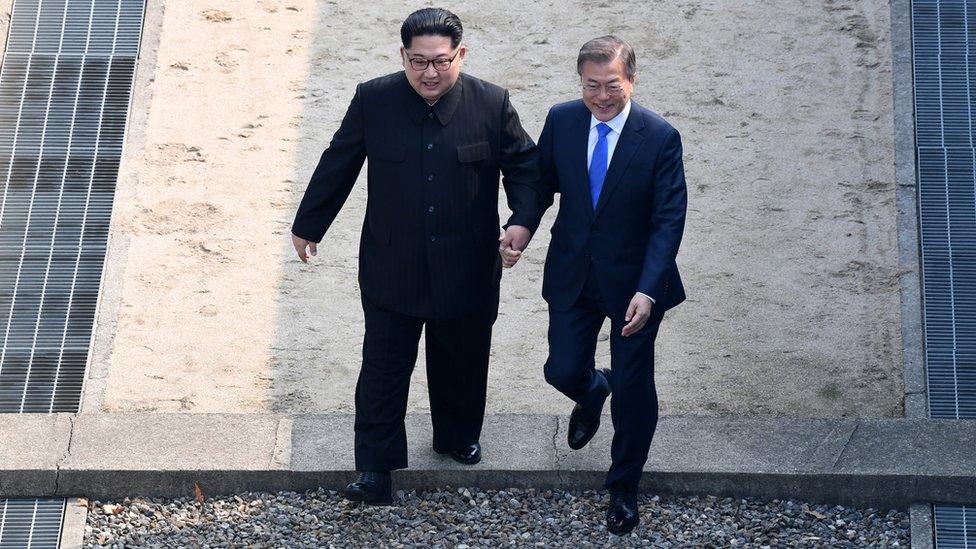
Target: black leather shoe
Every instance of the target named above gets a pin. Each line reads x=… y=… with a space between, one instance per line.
x=371 y=489
x=622 y=514
x=583 y=423
x=466 y=455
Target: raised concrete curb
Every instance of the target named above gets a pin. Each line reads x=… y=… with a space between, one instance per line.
x=883 y=463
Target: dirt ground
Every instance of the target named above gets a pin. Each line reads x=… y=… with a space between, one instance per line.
x=789 y=255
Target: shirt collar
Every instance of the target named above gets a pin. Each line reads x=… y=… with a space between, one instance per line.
x=617 y=122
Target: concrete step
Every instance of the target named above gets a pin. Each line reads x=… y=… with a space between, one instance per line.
x=868 y=462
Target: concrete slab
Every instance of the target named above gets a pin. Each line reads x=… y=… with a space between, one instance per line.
x=31 y=446
x=148 y=453
x=871 y=462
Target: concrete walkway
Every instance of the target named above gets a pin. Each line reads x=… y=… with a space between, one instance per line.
x=870 y=462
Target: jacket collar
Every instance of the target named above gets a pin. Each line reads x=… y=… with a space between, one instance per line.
x=417 y=107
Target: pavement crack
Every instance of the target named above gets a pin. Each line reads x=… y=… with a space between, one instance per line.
x=555 y=451
x=846 y=444
x=65 y=455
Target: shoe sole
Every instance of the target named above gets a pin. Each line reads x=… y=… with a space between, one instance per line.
x=447 y=452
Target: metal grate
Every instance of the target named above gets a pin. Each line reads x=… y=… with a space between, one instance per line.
x=955 y=527
x=30 y=523
x=944 y=48
x=65 y=89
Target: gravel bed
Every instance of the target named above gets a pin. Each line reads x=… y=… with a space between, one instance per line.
x=468 y=518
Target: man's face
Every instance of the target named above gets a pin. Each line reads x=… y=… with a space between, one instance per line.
x=431 y=83
x=606 y=88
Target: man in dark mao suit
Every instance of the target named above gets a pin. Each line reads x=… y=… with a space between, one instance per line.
x=436 y=140
x=619 y=172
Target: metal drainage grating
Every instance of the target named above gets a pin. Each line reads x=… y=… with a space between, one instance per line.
x=65 y=89
x=943 y=49
x=955 y=527
x=944 y=45
x=30 y=523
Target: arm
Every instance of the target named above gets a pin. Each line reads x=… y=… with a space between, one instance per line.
x=519 y=162
x=334 y=176
x=668 y=217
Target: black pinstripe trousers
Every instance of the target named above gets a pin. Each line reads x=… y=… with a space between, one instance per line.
x=457 y=380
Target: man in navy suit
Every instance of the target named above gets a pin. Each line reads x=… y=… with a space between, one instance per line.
x=621 y=216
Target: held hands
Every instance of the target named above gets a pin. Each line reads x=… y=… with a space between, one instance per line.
x=511 y=244
x=300 y=244
x=638 y=312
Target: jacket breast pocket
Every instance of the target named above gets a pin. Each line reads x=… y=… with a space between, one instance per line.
x=474 y=152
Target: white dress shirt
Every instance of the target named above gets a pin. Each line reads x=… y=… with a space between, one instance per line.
x=616 y=126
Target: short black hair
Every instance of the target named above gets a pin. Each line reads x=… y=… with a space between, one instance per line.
x=431 y=21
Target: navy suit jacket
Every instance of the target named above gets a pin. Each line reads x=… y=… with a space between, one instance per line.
x=632 y=236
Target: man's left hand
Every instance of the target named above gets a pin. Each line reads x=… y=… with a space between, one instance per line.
x=637 y=314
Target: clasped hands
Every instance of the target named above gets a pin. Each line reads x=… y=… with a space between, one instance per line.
x=511 y=244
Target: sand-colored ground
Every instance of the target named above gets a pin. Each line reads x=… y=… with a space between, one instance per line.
x=789 y=255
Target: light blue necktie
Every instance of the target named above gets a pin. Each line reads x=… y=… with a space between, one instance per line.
x=598 y=163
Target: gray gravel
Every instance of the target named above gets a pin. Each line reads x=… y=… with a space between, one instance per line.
x=467 y=518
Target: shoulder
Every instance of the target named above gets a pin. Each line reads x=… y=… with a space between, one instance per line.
x=653 y=121
x=482 y=88
x=568 y=109
x=382 y=84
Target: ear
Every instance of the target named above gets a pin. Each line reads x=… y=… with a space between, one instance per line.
x=462 y=51
x=403 y=57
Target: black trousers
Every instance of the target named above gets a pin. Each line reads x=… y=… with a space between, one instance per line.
x=633 y=403
x=457 y=380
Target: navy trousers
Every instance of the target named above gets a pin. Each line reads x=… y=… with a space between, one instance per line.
x=457 y=381
x=633 y=403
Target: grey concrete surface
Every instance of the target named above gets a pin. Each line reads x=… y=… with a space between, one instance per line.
x=73 y=525
x=923 y=529
x=903 y=98
x=873 y=462
x=31 y=447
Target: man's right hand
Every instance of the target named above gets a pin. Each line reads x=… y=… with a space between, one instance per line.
x=511 y=243
x=300 y=244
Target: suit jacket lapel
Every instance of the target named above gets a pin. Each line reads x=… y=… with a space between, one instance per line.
x=627 y=145
x=580 y=140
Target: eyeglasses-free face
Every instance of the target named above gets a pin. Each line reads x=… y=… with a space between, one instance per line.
x=432 y=65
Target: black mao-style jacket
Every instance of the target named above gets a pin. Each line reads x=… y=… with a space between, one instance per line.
x=429 y=244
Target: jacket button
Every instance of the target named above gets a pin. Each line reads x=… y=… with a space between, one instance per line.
x=430 y=209
x=433 y=239
x=430 y=146
x=430 y=177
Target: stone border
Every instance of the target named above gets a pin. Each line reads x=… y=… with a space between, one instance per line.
x=909 y=260
x=73 y=525
x=923 y=528
x=880 y=463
